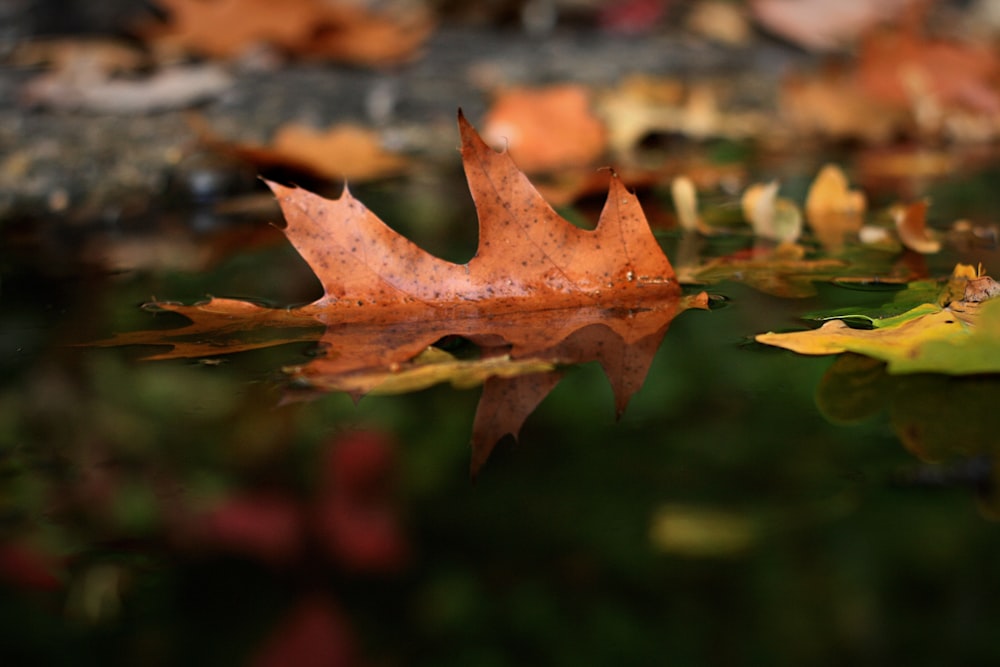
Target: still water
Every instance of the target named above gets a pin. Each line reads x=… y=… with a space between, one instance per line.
x=749 y=507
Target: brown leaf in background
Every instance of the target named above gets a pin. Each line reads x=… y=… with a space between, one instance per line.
x=336 y=30
x=911 y=225
x=904 y=68
x=902 y=82
x=344 y=151
x=641 y=105
x=830 y=104
x=546 y=128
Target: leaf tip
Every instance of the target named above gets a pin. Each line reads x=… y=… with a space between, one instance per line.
x=278 y=189
x=470 y=138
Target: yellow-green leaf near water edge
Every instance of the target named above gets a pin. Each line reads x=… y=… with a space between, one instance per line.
x=959 y=340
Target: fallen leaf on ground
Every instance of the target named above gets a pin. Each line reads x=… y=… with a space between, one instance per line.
x=96 y=90
x=960 y=338
x=780 y=271
x=833 y=210
x=830 y=105
x=785 y=270
x=539 y=289
x=902 y=82
x=343 y=151
x=643 y=105
x=685 y=197
x=770 y=216
x=546 y=129
x=721 y=21
x=916 y=293
x=911 y=225
x=342 y=31
x=110 y=56
x=905 y=68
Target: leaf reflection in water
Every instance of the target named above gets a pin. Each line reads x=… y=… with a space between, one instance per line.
x=940 y=419
x=520 y=353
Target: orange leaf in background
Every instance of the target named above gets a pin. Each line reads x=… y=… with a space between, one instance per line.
x=904 y=68
x=343 y=151
x=363 y=37
x=228 y=28
x=546 y=128
x=538 y=288
x=911 y=225
x=832 y=105
x=832 y=209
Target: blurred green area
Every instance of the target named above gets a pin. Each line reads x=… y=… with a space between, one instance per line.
x=723 y=520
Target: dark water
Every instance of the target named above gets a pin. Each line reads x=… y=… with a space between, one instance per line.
x=176 y=512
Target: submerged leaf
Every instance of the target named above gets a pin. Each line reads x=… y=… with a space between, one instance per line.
x=430 y=367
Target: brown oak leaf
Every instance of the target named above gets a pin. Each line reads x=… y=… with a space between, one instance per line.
x=538 y=288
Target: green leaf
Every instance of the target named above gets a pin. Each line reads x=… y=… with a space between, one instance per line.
x=961 y=339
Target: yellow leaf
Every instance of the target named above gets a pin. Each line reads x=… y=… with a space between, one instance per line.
x=833 y=210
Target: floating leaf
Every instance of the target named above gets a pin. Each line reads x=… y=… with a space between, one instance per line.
x=539 y=292
x=960 y=339
x=911 y=225
x=772 y=217
x=833 y=210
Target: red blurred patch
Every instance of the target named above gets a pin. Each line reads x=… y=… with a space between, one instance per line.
x=313 y=634
x=356 y=515
x=25 y=566
x=632 y=16
x=265 y=525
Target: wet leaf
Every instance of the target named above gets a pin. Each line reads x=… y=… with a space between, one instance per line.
x=911 y=225
x=685 y=198
x=781 y=271
x=914 y=294
x=539 y=292
x=528 y=258
x=770 y=216
x=833 y=210
x=959 y=338
x=222 y=326
x=430 y=367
